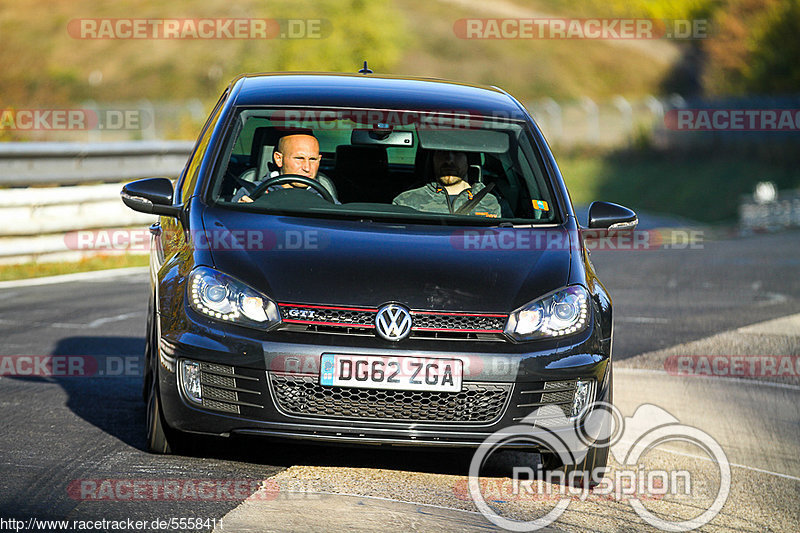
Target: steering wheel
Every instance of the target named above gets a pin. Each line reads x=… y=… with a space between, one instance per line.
x=291 y=178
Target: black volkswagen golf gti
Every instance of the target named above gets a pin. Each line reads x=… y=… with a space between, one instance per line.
x=372 y=260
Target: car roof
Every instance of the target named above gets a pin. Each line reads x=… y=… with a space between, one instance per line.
x=373 y=91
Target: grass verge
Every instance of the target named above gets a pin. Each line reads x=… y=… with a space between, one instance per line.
x=100 y=262
x=701 y=186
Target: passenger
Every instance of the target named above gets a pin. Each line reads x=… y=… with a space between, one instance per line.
x=450 y=191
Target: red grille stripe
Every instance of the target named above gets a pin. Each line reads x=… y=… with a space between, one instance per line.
x=459 y=330
x=484 y=315
x=330 y=307
x=318 y=323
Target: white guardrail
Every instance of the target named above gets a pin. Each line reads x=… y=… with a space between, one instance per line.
x=48 y=191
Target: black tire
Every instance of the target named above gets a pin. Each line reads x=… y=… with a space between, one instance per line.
x=158 y=440
x=149 y=350
x=161 y=438
x=596 y=457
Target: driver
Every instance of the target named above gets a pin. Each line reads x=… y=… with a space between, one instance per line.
x=295 y=154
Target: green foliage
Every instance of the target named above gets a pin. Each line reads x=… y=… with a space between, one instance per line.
x=663 y=9
x=774 y=65
x=755 y=48
x=359 y=30
x=44 y=64
x=676 y=183
x=562 y=69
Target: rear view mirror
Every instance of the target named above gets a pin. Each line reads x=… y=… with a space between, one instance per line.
x=612 y=217
x=151 y=195
x=385 y=138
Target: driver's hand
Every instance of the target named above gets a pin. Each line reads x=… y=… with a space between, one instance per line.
x=246 y=199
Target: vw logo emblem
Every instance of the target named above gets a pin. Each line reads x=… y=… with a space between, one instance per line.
x=393 y=322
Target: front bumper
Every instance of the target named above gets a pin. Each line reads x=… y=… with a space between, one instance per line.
x=243 y=372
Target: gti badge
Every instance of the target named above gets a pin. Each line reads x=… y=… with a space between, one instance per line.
x=301 y=313
x=393 y=322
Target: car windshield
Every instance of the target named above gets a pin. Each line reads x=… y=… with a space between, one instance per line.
x=417 y=167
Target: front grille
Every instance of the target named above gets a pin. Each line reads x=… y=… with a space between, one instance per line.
x=220 y=406
x=361 y=321
x=564 y=397
x=487 y=323
x=217 y=381
x=222 y=389
x=550 y=400
x=334 y=316
x=302 y=395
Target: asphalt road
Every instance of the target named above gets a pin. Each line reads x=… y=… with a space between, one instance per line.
x=59 y=432
x=664 y=297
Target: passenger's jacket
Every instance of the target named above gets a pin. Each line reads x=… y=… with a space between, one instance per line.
x=433 y=198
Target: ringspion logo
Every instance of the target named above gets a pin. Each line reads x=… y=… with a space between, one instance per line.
x=629 y=440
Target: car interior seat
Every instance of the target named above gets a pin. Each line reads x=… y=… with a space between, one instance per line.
x=362 y=173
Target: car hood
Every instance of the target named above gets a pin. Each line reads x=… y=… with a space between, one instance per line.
x=305 y=260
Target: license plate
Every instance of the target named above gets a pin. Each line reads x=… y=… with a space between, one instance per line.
x=402 y=373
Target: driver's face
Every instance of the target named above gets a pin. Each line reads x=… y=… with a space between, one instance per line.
x=298 y=154
x=450 y=166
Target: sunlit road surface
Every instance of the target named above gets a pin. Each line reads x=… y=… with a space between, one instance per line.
x=731 y=298
x=756 y=424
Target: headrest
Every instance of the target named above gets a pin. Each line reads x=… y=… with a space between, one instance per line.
x=361 y=159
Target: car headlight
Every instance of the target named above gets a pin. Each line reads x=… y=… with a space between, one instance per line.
x=563 y=312
x=223 y=298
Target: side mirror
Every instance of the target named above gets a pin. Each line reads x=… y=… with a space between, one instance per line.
x=611 y=217
x=151 y=195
